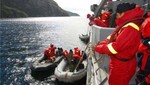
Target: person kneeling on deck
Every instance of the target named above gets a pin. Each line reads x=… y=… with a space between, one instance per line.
x=49 y=54
x=122 y=44
x=143 y=55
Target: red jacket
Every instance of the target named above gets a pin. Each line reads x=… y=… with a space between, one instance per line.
x=76 y=53
x=103 y=20
x=50 y=52
x=124 y=46
x=65 y=53
x=143 y=48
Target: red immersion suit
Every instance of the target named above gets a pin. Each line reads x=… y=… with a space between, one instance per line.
x=144 y=50
x=103 y=20
x=76 y=53
x=50 y=52
x=123 y=48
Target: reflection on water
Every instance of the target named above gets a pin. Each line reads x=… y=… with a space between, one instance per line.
x=23 y=40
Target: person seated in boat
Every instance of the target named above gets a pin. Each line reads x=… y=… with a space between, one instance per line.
x=84 y=55
x=70 y=55
x=76 y=58
x=69 y=59
x=59 y=52
x=65 y=53
x=49 y=53
x=143 y=55
x=76 y=55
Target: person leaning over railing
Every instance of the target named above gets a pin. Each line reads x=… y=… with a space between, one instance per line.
x=102 y=20
x=123 y=43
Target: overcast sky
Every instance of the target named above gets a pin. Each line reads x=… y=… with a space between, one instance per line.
x=82 y=7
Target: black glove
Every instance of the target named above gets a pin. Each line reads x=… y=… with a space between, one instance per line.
x=143 y=83
x=146 y=42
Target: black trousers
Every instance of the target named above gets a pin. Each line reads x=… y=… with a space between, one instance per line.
x=140 y=77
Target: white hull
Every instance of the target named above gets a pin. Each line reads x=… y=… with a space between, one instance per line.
x=66 y=76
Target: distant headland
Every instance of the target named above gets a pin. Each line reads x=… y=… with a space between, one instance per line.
x=32 y=8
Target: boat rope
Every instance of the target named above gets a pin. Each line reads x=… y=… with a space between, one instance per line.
x=98 y=61
x=87 y=47
x=101 y=59
x=106 y=78
x=82 y=56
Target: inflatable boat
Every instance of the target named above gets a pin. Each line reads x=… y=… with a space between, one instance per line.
x=67 y=76
x=44 y=65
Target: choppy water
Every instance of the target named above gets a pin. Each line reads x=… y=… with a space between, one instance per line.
x=22 y=40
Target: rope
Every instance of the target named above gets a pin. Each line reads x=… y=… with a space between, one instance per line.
x=81 y=57
x=91 y=53
x=101 y=59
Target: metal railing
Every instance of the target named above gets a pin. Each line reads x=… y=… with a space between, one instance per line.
x=97 y=64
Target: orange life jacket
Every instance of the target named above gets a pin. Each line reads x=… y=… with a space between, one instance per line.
x=76 y=53
x=103 y=20
x=65 y=53
x=50 y=52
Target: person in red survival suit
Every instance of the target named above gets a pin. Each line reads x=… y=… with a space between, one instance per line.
x=69 y=59
x=76 y=53
x=102 y=20
x=122 y=44
x=76 y=56
x=65 y=53
x=50 y=53
x=143 y=74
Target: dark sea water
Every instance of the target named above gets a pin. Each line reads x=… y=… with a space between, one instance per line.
x=23 y=40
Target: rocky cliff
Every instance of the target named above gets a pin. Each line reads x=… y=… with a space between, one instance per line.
x=31 y=8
